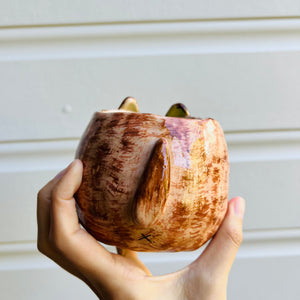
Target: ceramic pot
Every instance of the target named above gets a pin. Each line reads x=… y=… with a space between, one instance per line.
x=150 y=182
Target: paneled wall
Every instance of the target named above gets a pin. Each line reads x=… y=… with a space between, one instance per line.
x=238 y=63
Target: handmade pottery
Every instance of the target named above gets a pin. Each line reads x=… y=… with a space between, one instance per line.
x=150 y=182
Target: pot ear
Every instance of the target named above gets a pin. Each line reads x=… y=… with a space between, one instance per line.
x=152 y=193
x=178 y=110
x=129 y=104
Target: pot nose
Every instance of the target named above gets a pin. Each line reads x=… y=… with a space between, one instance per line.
x=152 y=193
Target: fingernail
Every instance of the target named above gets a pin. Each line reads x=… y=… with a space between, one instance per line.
x=64 y=171
x=239 y=207
x=61 y=174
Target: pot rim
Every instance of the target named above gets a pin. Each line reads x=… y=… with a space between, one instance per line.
x=121 y=111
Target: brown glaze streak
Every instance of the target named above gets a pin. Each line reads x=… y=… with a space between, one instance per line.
x=127 y=191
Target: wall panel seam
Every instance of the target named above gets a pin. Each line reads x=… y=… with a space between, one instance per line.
x=161 y=21
x=150 y=39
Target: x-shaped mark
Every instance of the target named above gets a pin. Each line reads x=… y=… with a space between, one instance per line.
x=145 y=237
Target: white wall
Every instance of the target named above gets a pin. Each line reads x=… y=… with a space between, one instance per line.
x=239 y=63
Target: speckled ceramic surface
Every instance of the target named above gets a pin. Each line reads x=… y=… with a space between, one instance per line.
x=152 y=183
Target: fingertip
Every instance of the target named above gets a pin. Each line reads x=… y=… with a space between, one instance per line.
x=75 y=166
x=69 y=181
x=77 y=163
x=237 y=206
x=60 y=174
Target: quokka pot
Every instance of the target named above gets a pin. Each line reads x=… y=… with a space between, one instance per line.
x=151 y=182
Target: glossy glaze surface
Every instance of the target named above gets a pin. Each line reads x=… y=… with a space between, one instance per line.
x=152 y=183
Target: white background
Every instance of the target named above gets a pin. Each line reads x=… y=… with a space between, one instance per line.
x=235 y=61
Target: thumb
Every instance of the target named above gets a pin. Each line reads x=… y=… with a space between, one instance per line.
x=64 y=216
x=74 y=244
x=219 y=255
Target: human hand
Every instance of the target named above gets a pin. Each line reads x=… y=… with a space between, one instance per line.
x=124 y=276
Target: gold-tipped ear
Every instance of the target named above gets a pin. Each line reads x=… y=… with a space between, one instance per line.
x=129 y=104
x=178 y=110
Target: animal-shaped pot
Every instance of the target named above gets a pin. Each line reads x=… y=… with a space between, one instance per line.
x=150 y=182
